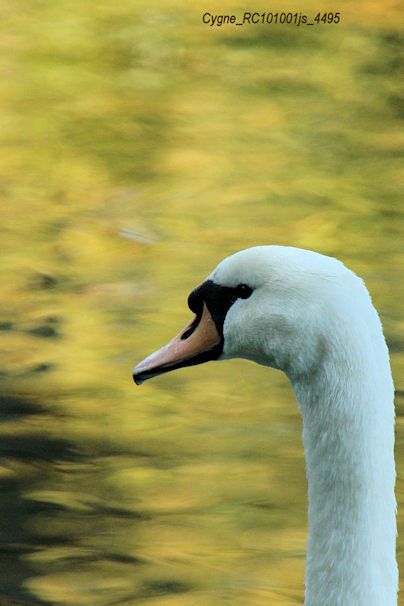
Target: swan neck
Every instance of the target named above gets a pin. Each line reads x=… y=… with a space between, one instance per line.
x=348 y=435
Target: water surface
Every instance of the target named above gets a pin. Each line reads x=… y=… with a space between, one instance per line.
x=139 y=148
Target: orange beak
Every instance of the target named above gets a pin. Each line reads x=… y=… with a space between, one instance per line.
x=199 y=342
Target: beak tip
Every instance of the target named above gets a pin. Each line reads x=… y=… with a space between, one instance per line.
x=137 y=379
x=137 y=375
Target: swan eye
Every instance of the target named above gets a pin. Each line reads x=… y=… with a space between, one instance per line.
x=243 y=291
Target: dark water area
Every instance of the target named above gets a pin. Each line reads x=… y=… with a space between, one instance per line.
x=138 y=148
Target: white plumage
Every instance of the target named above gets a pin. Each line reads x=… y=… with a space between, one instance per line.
x=313 y=318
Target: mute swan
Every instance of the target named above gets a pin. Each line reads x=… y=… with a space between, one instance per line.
x=310 y=316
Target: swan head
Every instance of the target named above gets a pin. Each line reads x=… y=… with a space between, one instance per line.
x=273 y=305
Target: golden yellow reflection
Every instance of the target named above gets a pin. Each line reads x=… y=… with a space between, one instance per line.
x=138 y=148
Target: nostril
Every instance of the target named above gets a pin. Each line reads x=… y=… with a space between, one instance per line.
x=190 y=329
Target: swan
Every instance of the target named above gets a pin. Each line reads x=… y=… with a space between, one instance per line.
x=309 y=316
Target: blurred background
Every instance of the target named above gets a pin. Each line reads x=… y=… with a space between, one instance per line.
x=138 y=148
